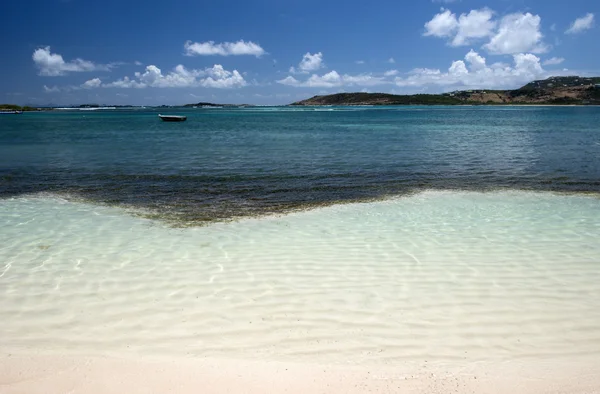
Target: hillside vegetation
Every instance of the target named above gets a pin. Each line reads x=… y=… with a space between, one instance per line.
x=554 y=91
x=13 y=107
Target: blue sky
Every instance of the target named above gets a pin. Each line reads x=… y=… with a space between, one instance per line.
x=275 y=52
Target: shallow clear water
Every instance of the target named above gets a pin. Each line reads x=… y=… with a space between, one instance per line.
x=449 y=277
x=482 y=244
x=225 y=163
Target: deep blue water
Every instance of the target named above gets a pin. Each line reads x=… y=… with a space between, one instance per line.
x=224 y=163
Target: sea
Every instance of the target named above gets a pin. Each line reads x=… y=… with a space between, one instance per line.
x=339 y=235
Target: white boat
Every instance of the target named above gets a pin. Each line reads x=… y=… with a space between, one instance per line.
x=172 y=118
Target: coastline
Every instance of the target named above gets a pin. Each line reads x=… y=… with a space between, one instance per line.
x=445 y=105
x=32 y=374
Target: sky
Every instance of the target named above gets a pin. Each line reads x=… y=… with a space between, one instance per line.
x=69 y=52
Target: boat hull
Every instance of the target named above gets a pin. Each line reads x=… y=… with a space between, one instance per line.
x=172 y=118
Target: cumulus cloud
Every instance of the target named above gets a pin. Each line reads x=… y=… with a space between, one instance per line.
x=474 y=73
x=464 y=29
x=334 y=79
x=209 y=48
x=391 y=60
x=458 y=68
x=181 y=77
x=53 y=65
x=517 y=33
x=553 y=61
x=476 y=62
x=476 y=24
x=92 y=83
x=178 y=78
x=443 y=24
x=222 y=79
x=514 y=33
x=471 y=72
x=310 y=62
x=581 y=24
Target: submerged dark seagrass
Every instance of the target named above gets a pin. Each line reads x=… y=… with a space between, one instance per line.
x=227 y=163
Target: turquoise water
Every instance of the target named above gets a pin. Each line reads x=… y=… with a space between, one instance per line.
x=475 y=238
x=225 y=163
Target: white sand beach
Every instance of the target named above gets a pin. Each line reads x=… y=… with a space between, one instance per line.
x=51 y=374
x=436 y=292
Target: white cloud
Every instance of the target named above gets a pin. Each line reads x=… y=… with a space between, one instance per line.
x=474 y=73
x=517 y=33
x=471 y=72
x=330 y=79
x=178 y=78
x=124 y=83
x=476 y=62
x=53 y=89
x=327 y=80
x=528 y=63
x=391 y=60
x=553 y=61
x=514 y=33
x=464 y=29
x=222 y=79
x=310 y=62
x=443 y=24
x=208 y=48
x=92 y=83
x=334 y=79
x=360 y=62
x=458 y=68
x=580 y=24
x=52 y=64
x=425 y=71
x=138 y=63
x=476 y=24
x=181 y=77
x=363 y=80
x=290 y=81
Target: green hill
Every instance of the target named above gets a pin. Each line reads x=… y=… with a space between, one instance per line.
x=553 y=91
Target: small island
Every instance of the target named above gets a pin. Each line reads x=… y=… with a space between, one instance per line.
x=15 y=108
x=571 y=90
x=213 y=105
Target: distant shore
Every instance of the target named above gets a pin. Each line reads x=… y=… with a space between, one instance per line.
x=572 y=90
x=554 y=91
